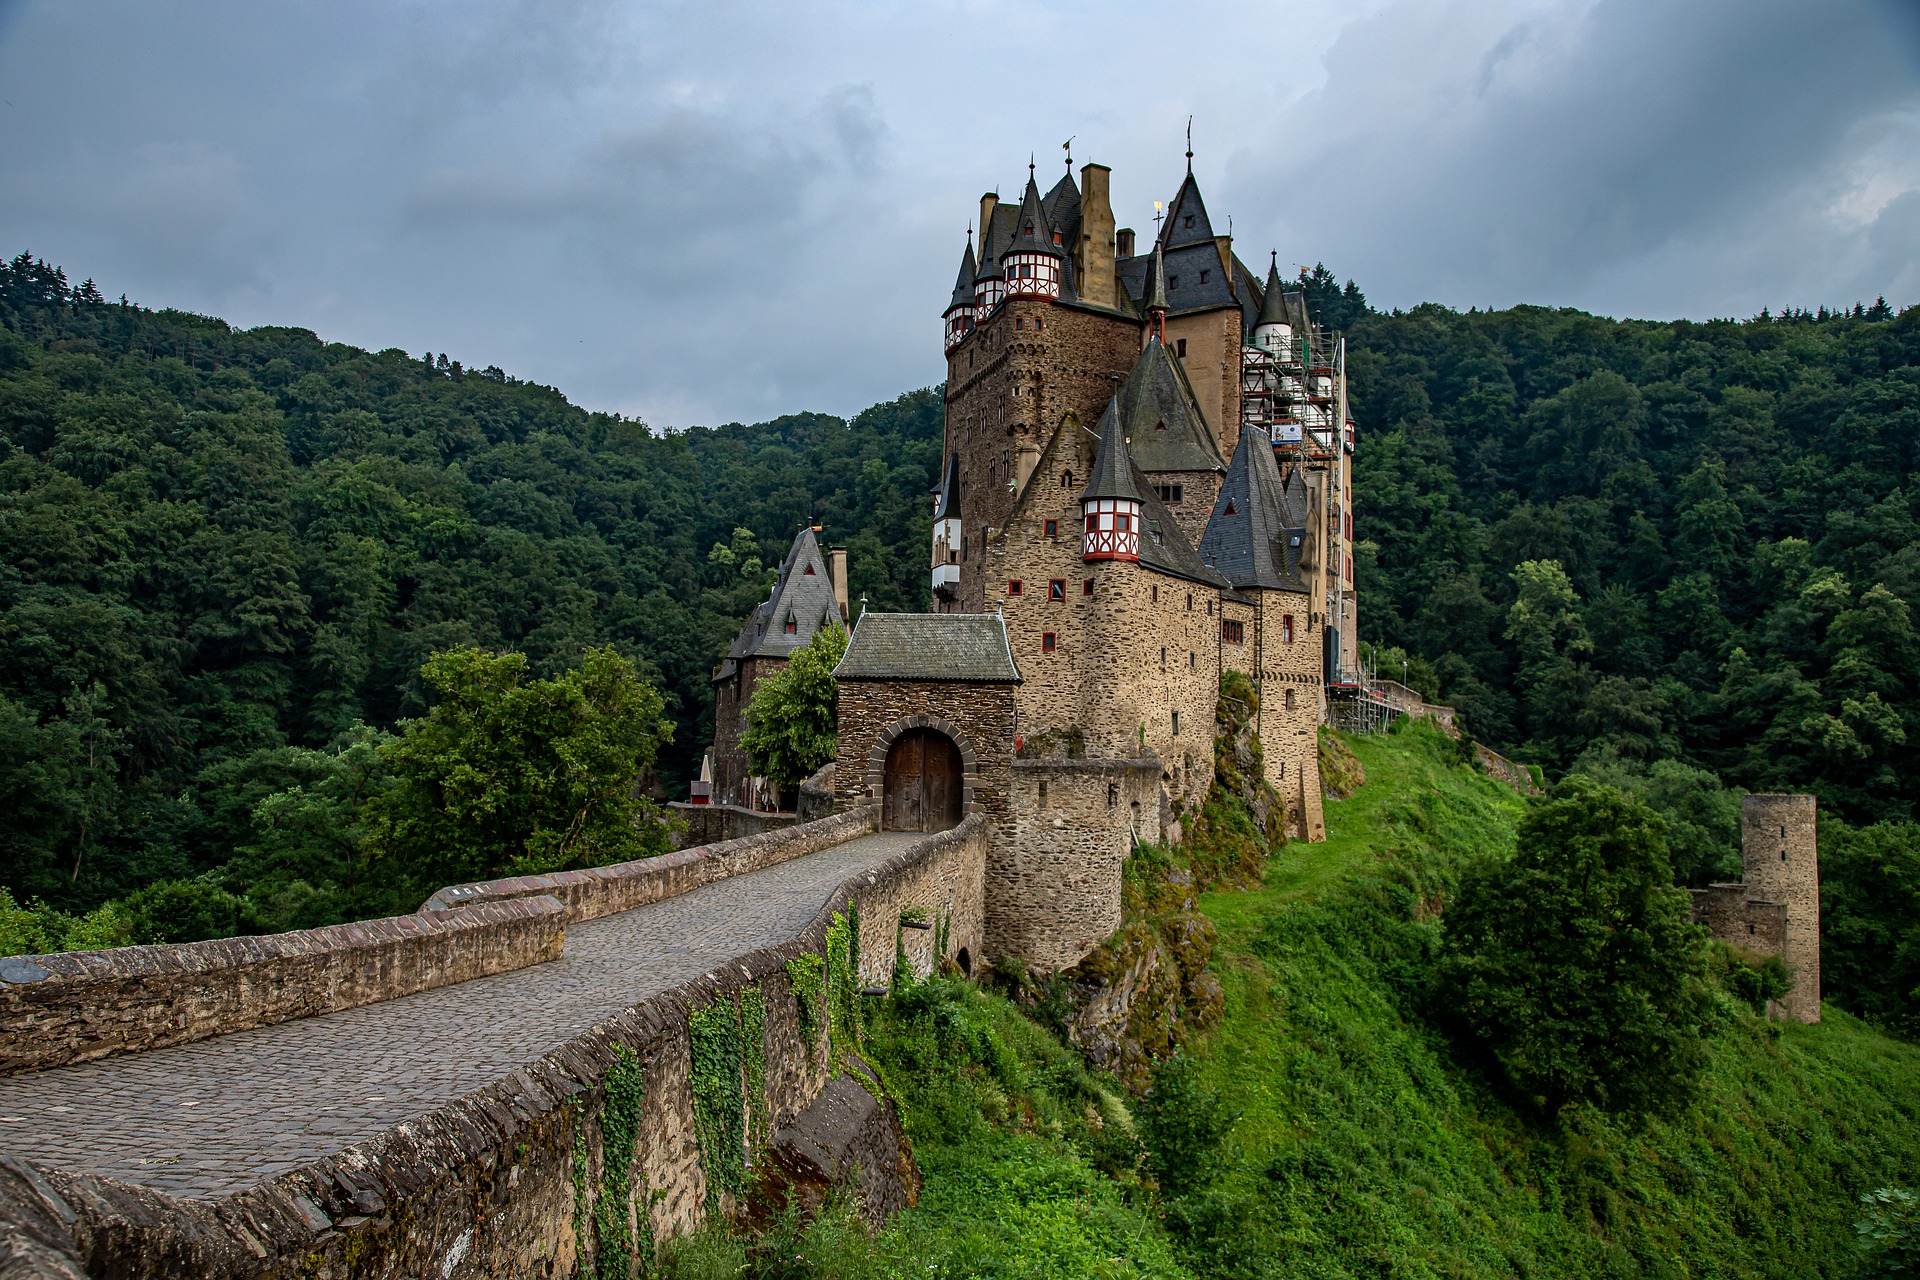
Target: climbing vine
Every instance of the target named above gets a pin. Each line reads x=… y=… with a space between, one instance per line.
x=729 y=1069
x=805 y=979
x=843 y=982
x=609 y=1213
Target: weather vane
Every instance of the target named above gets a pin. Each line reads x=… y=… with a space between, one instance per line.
x=1067 y=147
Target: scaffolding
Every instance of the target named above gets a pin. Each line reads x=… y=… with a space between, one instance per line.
x=1361 y=707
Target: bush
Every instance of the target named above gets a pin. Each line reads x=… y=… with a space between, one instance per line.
x=1574 y=968
x=1182 y=1126
x=1890 y=1232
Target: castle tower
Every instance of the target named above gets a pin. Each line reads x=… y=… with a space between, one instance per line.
x=959 y=315
x=948 y=536
x=1169 y=437
x=1782 y=865
x=1033 y=261
x=1111 y=502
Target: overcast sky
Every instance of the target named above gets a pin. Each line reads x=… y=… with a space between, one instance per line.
x=714 y=211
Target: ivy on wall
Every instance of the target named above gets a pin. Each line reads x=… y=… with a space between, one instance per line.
x=806 y=980
x=729 y=1068
x=607 y=1211
x=843 y=982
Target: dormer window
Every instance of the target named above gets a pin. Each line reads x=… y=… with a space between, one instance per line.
x=1187 y=221
x=1057 y=239
x=1229 y=510
x=809 y=573
x=793 y=625
x=1204 y=275
x=1029 y=230
x=1160 y=426
x=1173 y=282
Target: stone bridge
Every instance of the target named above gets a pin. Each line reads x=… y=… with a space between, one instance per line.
x=426 y=1096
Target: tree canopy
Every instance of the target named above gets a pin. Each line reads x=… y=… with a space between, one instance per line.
x=791 y=722
x=1574 y=966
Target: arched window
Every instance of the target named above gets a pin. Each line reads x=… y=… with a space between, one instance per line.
x=1066 y=479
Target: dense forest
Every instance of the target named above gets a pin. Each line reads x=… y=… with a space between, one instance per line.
x=223 y=553
x=1678 y=556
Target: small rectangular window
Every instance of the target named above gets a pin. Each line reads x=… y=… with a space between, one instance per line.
x=1046 y=642
x=1180 y=348
x=1056 y=589
x=1231 y=631
x=1013 y=586
x=1053 y=528
x=1286 y=629
x=1086 y=588
x=1176 y=724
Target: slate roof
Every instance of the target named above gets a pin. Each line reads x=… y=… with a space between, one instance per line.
x=994 y=239
x=805 y=597
x=948 y=506
x=1155 y=284
x=963 y=284
x=1032 y=233
x=1062 y=207
x=960 y=648
x=1161 y=418
x=1255 y=533
x=1162 y=545
x=1273 y=306
x=1186 y=204
x=1113 y=470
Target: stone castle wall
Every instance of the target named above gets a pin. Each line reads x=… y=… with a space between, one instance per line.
x=1198 y=491
x=77 y=1006
x=980 y=718
x=714 y=823
x=730 y=699
x=1775 y=908
x=1053 y=881
x=1009 y=387
x=487 y=1186
x=1212 y=364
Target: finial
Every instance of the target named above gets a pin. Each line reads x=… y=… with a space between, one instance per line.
x=1189 y=146
x=1067 y=147
x=863 y=604
x=1029 y=164
x=1273 y=255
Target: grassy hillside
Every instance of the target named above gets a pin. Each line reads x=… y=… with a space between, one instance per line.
x=1362 y=1146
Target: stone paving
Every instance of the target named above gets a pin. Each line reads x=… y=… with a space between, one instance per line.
x=206 y=1119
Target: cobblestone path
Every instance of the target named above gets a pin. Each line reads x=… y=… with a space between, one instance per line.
x=205 y=1119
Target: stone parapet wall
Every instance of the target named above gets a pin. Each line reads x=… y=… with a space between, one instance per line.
x=714 y=823
x=487 y=1185
x=1053 y=882
x=91 y=1004
x=603 y=891
x=941 y=880
x=1495 y=765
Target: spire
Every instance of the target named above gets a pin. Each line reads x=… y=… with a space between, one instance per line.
x=1187 y=221
x=1189 y=146
x=1157 y=296
x=1113 y=466
x=1031 y=231
x=963 y=285
x=1273 y=307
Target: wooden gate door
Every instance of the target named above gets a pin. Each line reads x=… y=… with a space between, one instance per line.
x=924 y=788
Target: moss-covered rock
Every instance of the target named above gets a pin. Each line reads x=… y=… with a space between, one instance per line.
x=1341 y=772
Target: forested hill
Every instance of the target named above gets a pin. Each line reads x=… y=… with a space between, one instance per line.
x=219 y=546
x=1618 y=542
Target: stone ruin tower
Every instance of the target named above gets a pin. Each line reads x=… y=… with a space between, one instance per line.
x=1775 y=908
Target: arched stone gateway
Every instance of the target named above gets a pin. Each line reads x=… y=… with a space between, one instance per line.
x=923 y=785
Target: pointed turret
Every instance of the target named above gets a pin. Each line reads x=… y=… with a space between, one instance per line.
x=959 y=314
x=1033 y=260
x=1187 y=221
x=1156 y=301
x=1161 y=419
x=1251 y=539
x=947 y=537
x=1273 y=332
x=1112 y=499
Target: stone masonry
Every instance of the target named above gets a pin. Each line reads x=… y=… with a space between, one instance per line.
x=1775 y=908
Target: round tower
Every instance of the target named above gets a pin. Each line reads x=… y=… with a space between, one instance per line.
x=1782 y=859
x=1112 y=503
x=959 y=312
x=1034 y=262
x=1272 y=333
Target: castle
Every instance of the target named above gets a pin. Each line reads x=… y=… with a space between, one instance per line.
x=1774 y=909
x=1146 y=482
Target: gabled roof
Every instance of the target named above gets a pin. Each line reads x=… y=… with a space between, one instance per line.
x=1113 y=470
x=948 y=506
x=1161 y=419
x=1250 y=538
x=805 y=597
x=963 y=284
x=1187 y=206
x=964 y=648
x=1032 y=233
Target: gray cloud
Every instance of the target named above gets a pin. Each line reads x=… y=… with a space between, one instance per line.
x=698 y=212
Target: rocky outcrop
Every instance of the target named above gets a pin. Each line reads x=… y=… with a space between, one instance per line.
x=848 y=1138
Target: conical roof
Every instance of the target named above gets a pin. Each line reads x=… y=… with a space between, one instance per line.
x=1161 y=418
x=1249 y=538
x=1032 y=233
x=948 y=505
x=1112 y=466
x=1273 y=302
x=1157 y=282
x=1187 y=221
x=963 y=285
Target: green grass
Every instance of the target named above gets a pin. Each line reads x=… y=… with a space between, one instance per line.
x=1364 y=1147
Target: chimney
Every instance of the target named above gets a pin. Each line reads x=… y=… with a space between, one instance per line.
x=1123 y=243
x=1093 y=256
x=837 y=571
x=988 y=203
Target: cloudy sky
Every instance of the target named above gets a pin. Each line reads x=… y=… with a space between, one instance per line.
x=702 y=212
